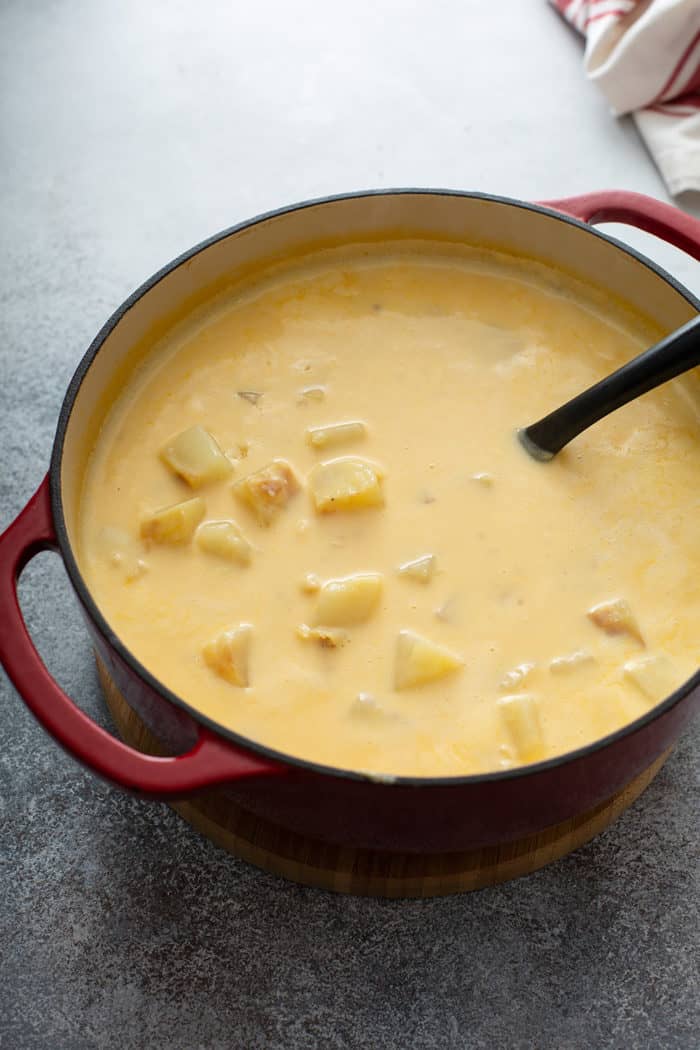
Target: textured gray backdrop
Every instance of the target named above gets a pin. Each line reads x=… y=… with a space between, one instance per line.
x=129 y=131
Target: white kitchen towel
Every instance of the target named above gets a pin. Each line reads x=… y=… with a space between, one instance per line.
x=644 y=55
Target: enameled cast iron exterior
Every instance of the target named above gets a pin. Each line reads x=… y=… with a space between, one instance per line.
x=406 y=813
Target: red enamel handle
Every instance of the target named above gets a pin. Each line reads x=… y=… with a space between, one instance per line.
x=211 y=761
x=663 y=220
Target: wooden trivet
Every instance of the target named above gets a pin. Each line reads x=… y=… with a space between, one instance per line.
x=364 y=872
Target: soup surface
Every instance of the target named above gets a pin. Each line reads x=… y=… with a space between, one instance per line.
x=309 y=517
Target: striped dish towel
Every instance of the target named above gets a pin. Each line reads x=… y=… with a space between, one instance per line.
x=644 y=55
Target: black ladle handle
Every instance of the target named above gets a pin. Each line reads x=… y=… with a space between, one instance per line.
x=677 y=353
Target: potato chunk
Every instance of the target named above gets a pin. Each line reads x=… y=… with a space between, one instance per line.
x=655 y=675
x=311 y=393
x=349 y=600
x=520 y=714
x=575 y=661
x=267 y=491
x=336 y=434
x=483 y=479
x=123 y=551
x=418 y=660
x=421 y=569
x=228 y=655
x=345 y=484
x=515 y=677
x=616 y=617
x=327 y=637
x=225 y=540
x=195 y=456
x=448 y=611
x=175 y=524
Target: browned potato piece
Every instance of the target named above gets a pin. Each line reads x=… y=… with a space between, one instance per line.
x=327 y=637
x=267 y=491
x=616 y=617
x=196 y=457
x=228 y=655
x=175 y=524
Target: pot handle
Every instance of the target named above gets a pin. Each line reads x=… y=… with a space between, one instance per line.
x=663 y=220
x=211 y=761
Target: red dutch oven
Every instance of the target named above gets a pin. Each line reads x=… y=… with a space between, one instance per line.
x=404 y=813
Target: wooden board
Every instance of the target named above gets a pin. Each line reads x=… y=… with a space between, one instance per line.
x=372 y=872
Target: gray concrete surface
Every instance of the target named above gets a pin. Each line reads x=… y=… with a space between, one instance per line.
x=128 y=132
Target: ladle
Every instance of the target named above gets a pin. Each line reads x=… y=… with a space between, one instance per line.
x=677 y=353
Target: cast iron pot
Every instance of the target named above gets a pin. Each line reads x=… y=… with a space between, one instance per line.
x=407 y=813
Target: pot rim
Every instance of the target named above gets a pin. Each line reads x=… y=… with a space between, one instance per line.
x=90 y=605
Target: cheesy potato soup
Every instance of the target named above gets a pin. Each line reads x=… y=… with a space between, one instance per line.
x=308 y=515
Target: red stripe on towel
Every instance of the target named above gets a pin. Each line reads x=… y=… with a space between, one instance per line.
x=678 y=68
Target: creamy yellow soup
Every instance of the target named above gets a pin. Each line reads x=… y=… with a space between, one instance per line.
x=309 y=517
